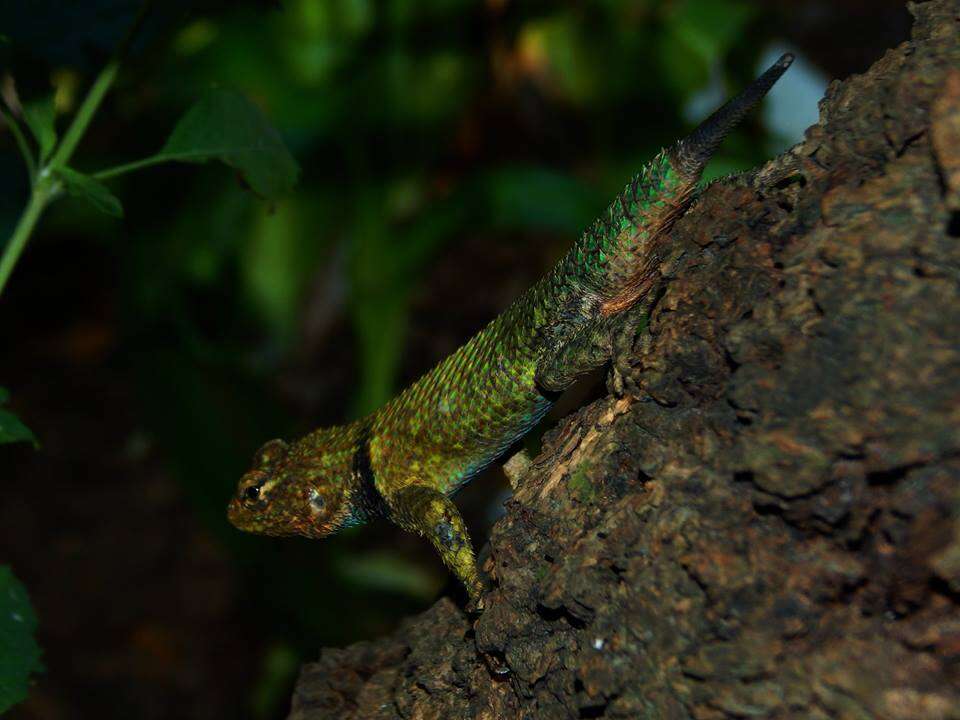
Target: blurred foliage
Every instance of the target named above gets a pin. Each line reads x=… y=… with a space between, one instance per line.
x=12 y=428
x=417 y=126
x=19 y=653
x=280 y=663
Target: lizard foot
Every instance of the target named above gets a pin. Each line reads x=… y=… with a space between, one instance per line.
x=475 y=605
x=622 y=378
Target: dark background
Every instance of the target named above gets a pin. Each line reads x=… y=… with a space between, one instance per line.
x=449 y=151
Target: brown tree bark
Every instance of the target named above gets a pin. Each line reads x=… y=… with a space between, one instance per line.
x=769 y=527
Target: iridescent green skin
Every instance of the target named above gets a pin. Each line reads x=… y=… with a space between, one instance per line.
x=408 y=457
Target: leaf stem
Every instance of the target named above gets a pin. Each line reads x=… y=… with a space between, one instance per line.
x=22 y=144
x=128 y=167
x=85 y=114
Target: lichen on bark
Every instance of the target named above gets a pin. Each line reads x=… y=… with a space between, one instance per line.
x=769 y=526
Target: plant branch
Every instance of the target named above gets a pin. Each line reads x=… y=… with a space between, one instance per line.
x=96 y=94
x=85 y=114
x=44 y=190
x=45 y=186
x=22 y=143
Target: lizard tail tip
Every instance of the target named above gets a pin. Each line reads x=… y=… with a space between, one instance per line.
x=692 y=153
x=785 y=61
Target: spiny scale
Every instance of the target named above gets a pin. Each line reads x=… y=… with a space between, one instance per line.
x=406 y=458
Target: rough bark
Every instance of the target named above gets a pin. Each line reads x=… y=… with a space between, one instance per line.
x=769 y=526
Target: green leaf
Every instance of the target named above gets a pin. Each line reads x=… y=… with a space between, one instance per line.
x=93 y=191
x=225 y=126
x=41 y=119
x=12 y=430
x=19 y=652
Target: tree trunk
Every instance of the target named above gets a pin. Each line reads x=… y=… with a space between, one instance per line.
x=769 y=525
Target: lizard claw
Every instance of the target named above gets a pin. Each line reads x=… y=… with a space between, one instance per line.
x=475 y=605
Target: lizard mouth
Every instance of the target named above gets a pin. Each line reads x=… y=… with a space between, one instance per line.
x=238 y=516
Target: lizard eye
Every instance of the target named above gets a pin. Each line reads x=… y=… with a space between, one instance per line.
x=252 y=493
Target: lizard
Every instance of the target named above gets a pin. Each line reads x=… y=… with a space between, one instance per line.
x=406 y=459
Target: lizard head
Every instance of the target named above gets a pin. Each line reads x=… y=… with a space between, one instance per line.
x=289 y=491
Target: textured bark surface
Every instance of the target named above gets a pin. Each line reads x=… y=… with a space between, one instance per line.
x=769 y=526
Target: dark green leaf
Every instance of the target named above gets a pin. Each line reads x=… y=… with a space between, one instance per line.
x=12 y=430
x=19 y=652
x=40 y=117
x=225 y=126
x=93 y=191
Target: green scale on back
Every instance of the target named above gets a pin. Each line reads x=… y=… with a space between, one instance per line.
x=404 y=460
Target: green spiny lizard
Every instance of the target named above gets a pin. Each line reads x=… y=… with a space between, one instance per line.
x=406 y=459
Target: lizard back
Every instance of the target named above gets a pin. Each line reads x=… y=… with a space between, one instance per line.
x=469 y=409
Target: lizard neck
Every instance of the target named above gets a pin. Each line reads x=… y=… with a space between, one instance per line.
x=342 y=453
x=365 y=498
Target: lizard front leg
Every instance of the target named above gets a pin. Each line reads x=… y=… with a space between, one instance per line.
x=432 y=515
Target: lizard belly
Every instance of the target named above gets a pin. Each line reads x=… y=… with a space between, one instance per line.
x=457 y=419
x=470 y=465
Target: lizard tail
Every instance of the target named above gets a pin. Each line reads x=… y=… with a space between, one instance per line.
x=616 y=258
x=691 y=154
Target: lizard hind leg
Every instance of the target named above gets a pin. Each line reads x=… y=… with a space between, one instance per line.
x=607 y=338
x=586 y=349
x=431 y=514
x=627 y=327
